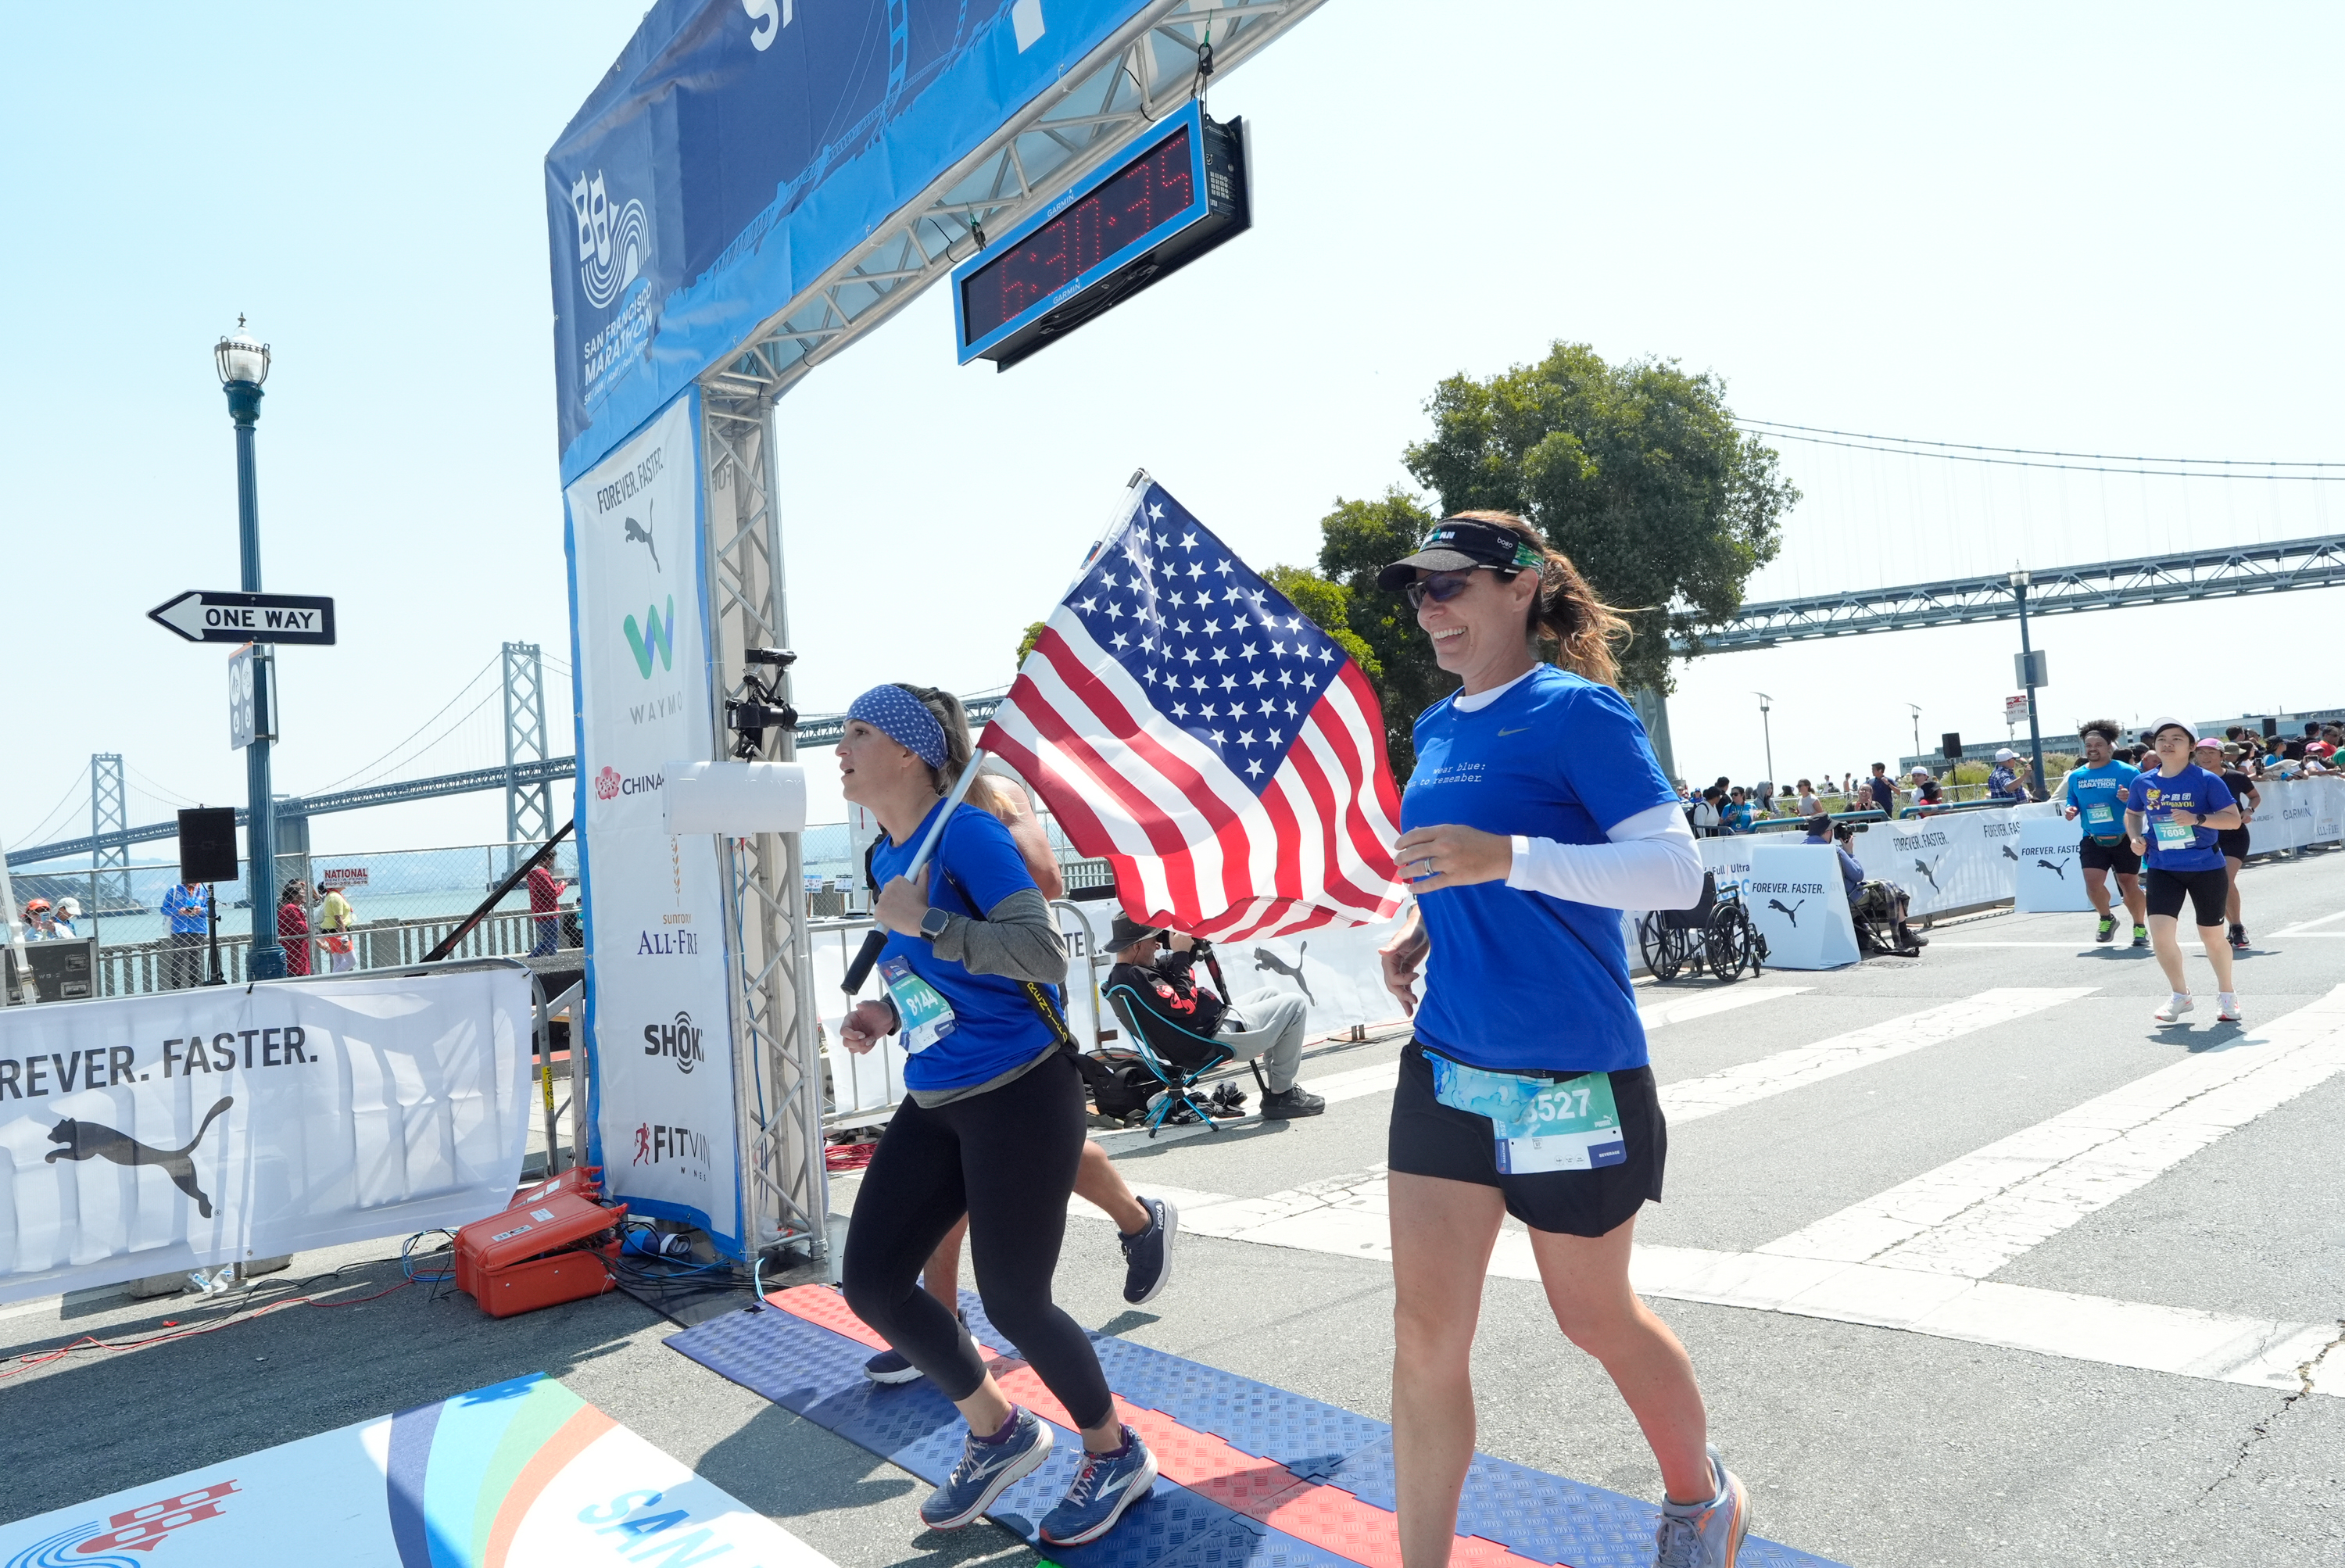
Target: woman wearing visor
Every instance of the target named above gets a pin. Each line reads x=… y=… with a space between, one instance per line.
x=992 y=1125
x=1537 y=814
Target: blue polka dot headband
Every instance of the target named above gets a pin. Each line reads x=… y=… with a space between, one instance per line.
x=904 y=719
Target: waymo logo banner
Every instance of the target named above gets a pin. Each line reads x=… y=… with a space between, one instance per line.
x=655 y=635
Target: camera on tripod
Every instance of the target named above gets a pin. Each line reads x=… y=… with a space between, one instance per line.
x=765 y=707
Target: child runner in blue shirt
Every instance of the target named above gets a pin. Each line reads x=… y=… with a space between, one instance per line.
x=2097 y=804
x=1536 y=815
x=2175 y=816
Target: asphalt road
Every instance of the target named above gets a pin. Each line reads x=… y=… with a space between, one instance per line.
x=1874 y=1445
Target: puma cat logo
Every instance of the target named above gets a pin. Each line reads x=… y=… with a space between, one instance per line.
x=1929 y=869
x=89 y=1140
x=1790 y=912
x=1270 y=962
x=2060 y=871
x=640 y=533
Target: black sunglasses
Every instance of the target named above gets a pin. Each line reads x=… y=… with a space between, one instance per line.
x=1443 y=587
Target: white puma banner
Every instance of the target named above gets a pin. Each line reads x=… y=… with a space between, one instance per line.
x=146 y=1135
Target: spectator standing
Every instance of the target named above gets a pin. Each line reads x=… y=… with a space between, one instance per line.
x=1736 y=817
x=1706 y=814
x=335 y=919
x=293 y=927
x=187 y=909
x=40 y=921
x=2003 y=780
x=544 y=899
x=1883 y=792
x=68 y=912
x=1809 y=804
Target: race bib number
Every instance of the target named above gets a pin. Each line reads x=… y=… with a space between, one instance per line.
x=927 y=1017
x=2174 y=835
x=1538 y=1123
x=2101 y=819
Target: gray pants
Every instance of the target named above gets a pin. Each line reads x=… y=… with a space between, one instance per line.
x=1274 y=1031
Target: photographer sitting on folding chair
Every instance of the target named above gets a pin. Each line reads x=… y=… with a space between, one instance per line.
x=1266 y=1024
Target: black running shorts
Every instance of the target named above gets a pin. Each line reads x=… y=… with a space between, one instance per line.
x=1429 y=1138
x=2233 y=843
x=2096 y=856
x=2207 y=890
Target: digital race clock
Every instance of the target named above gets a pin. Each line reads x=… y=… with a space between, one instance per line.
x=1156 y=205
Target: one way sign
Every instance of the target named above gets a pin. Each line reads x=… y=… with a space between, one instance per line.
x=207 y=615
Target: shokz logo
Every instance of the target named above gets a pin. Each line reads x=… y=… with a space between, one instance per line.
x=141 y=1528
x=654 y=635
x=612 y=241
x=678 y=1039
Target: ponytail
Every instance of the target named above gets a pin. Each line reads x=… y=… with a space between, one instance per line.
x=1585 y=632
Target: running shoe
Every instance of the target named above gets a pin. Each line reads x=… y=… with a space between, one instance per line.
x=891 y=1367
x=2239 y=937
x=1705 y=1534
x=2141 y=936
x=1148 y=1257
x=2108 y=928
x=986 y=1471
x=2226 y=1008
x=1105 y=1486
x=2175 y=1006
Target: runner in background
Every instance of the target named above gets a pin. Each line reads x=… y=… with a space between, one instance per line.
x=2096 y=796
x=1536 y=814
x=1144 y=1226
x=2175 y=815
x=2226 y=761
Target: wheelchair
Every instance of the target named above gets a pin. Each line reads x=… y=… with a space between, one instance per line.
x=1716 y=935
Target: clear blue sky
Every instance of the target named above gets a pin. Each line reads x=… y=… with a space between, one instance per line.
x=2099 y=229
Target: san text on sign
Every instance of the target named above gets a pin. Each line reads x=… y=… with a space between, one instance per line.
x=221 y=616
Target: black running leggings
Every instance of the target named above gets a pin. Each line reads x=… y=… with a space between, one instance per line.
x=1007 y=1158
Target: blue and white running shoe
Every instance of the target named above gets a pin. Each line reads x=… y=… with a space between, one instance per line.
x=1105 y=1486
x=986 y=1471
x=1705 y=1534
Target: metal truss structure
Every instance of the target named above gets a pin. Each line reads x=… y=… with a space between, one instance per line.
x=2316 y=562
x=777 y=1063
x=1128 y=83
x=529 y=805
x=109 y=819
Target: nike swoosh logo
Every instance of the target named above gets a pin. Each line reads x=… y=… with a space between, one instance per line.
x=1523 y=731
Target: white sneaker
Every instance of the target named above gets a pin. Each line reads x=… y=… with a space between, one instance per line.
x=2226 y=1008
x=2175 y=1006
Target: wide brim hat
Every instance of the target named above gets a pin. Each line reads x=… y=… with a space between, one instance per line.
x=1123 y=930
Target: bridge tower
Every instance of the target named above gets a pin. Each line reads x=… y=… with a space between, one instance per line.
x=108 y=814
x=528 y=808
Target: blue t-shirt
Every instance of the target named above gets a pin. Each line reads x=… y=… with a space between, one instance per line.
x=1520 y=981
x=2194 y=789
x=995 y=1025
x=188 y=912
x=2103 y=789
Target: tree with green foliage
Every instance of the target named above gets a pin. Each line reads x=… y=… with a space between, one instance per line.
x=1634 y=471
x=1034 y=630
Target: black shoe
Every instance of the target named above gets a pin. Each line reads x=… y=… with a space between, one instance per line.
x=1148 y=1257
x=1285 y=1104
x=2239 y=936
x=1908 y=937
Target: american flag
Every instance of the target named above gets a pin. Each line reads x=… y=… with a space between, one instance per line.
x=1186 y=722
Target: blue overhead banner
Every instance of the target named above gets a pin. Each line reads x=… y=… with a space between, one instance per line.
x=740 y=149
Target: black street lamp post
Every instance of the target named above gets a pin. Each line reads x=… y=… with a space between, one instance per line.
x=243 y=365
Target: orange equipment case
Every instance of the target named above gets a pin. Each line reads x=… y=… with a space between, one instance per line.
x=520 y=1259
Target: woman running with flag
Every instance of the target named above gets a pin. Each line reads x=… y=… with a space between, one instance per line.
x=1536 y=814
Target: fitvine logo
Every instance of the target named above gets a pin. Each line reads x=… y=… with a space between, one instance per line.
x=612 y=241
x=606 y=784
x=653 y=636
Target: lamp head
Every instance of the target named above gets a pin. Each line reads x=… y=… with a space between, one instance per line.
x=239 y=357
x=2020 y=579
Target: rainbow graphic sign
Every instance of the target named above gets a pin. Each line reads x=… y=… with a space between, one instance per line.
x=520 y=1474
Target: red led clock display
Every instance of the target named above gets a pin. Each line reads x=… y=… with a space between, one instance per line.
x=1153 y=189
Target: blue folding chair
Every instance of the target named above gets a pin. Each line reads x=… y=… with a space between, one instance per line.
x=1180 y=1083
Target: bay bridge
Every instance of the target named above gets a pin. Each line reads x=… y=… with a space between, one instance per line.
x=528 y=774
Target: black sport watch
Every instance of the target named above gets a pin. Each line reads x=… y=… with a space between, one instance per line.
x=933 y=924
